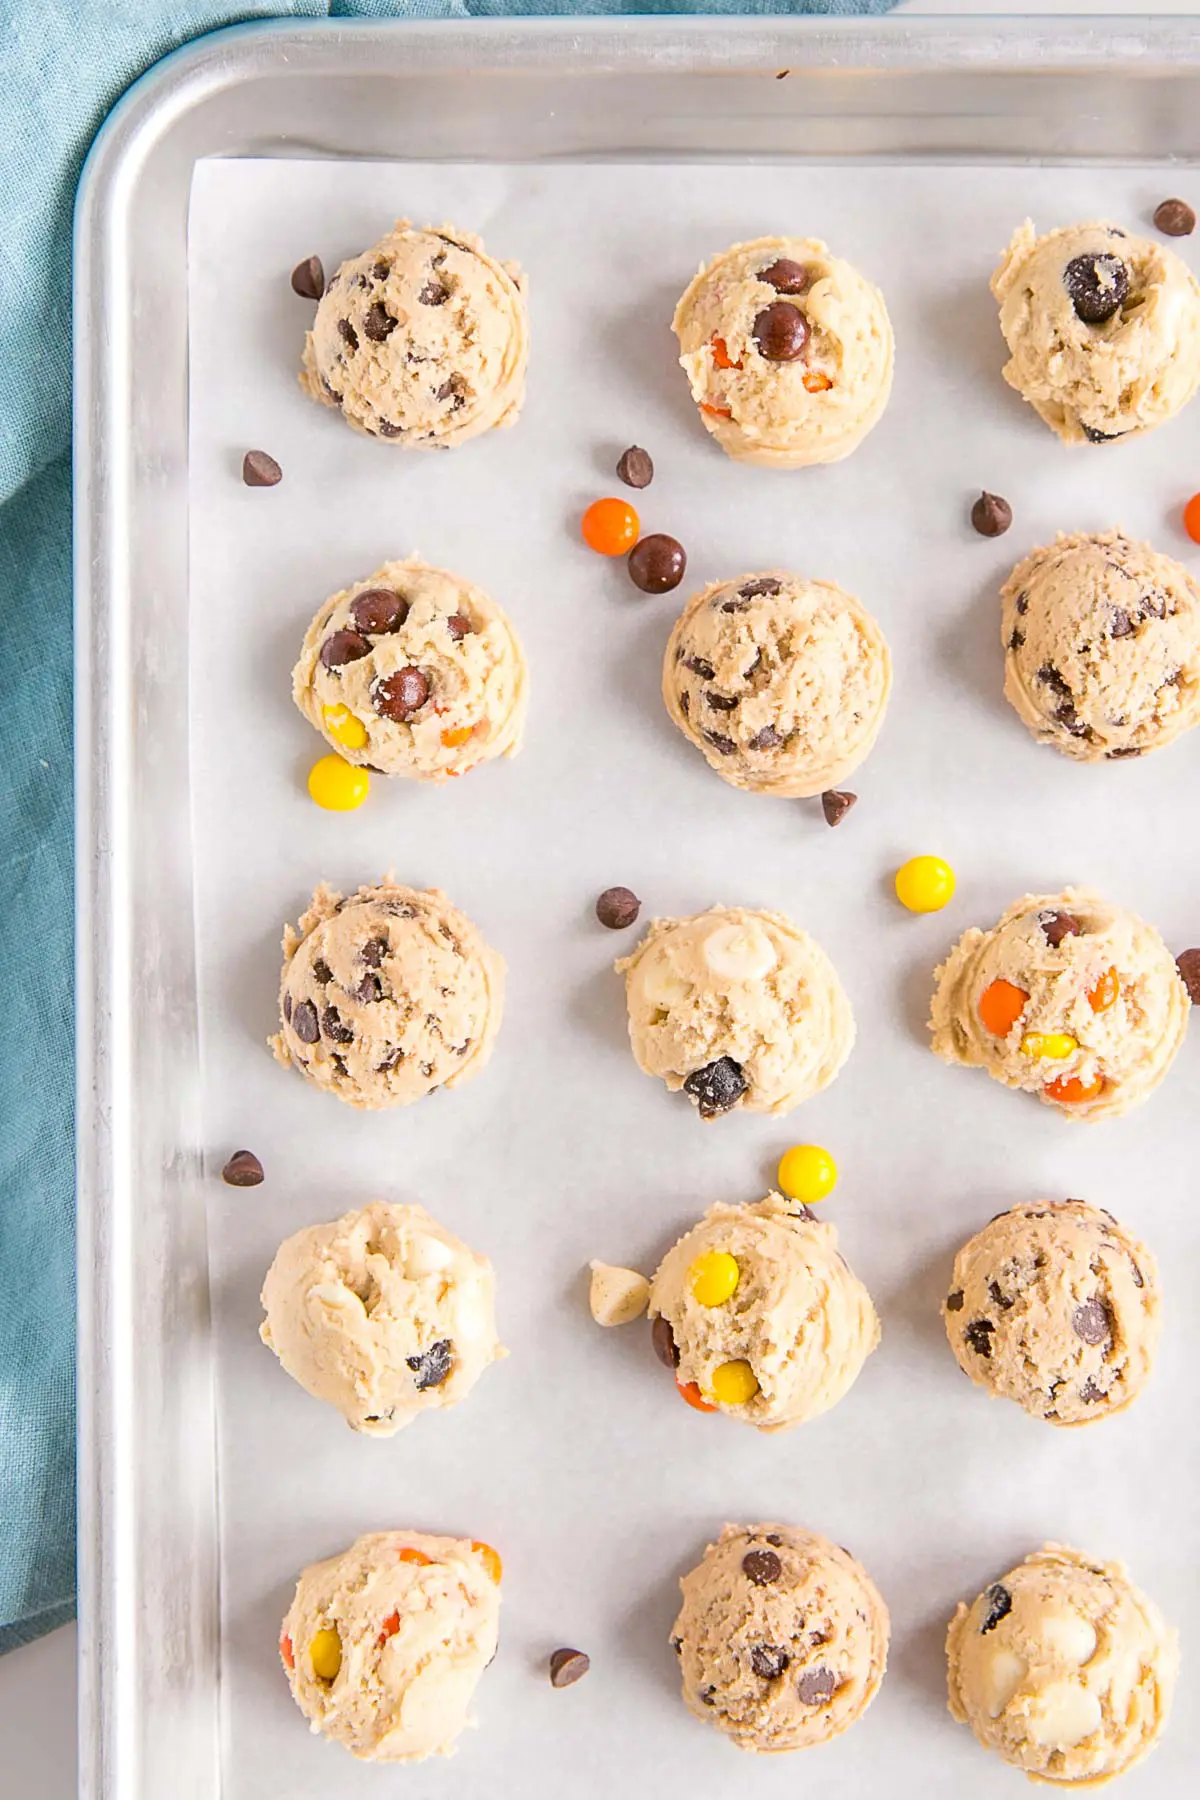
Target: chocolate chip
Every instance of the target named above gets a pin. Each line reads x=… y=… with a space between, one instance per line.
x=1120 y=624
x=1123 y=753
x=656 y=563
x=260 y=470
x=635 y=467
x=998 y=1606
x=663 y=1340
x=1091 y=1391
x=1070 y=721
x=835 y=804
x=769 y=1661
x=432 y=1368
x=979 y=1336
x=786 y=276
x=716 y=1087
x=999 y=1297
x=1188 y=964
x=392 y=1060
x=1021 y=604
x=780 y=331
x=618 y=907
x=1056 y=926
x=1138 y=1280
x=369 y=990
x=1100 y=437
x=708 y=1696
x=308 y=278
x=387 y=429
x=343 y=647
x=816 y=1687
x=373 y=952
x=766 y=739
x=401 y=695
x=304 y=1022
x=382 y=270
x=335 y=1027
x=287 y=1008
x=762 y=1567
x=379 y=323
x=677 y=1646
x=954 y=1301
x=724 y=746
x=1017 y=639
x=763 y=584
x=1092 y=1322
x=1175 y=218
x=699 y=667
x=459 y=626
x=322 y=971
x=433 y=294
x=1053 y=679
x=378 y=611
x=722 y=702
x=454 y=389
x=1096 y=284
x=347 y=334
x=685 y=704
x=991 y=516
x=567 y=1667
x=242 y=1170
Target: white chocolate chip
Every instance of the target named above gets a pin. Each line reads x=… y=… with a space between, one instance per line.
x=1068 y=1638
x=1003 y=1674
x=617 y=1296
x=1062 y=1715
x=470 y=1314
x=427 y=1256
x=662 y=986
x=739 y=953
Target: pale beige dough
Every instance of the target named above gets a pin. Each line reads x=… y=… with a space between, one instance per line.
x=422 y=340
x=782 y=1638
x=417 y=1618
x=1056 y=1306
x=409 y=617
x=382 y=1313
x=780 y=682
x=1063 y=1667
x=1102 y=646
x=386 y=995
x=1109 y=990
x=798 y=1315
x=737 y=1007
x=616 y=1296
x=787 y=415
x=1124 y=375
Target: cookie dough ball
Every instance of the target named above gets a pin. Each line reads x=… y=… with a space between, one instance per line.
x=737 y=1008
x=414 y=672
x=1067 y=997
x=788 y=351
x=780 y=682
x=384 y=1645
x=422 y=340
x=1063 y=1668
x=1103 y=330
x=1102 y=646
x=782 y=1638
x=757 y=1309
x=387 y=994
x=383 y=1313
x=1056 y=1306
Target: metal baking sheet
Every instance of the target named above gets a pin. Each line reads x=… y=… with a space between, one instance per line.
x=207 y=1480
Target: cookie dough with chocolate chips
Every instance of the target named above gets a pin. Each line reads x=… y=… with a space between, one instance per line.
x=421 y=341
x=788 y=350
x=782 y=1638
x=387 y=994
x=413 y=672
x=1063 y=1668
x=382 y=1313
x=1066 y=997
x=1103 y=330
x=1102 y=646
x=1056 y=1306
x=758 y=1309
x=780 y=682
x=383 y=1645
x=738 y=1008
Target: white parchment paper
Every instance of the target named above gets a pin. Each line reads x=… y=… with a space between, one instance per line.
x=575 y=1457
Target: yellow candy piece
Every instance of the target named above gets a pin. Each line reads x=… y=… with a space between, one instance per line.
x=1054 y=1046
x=734 y=1384
x=713 y=1277
x=925 y=884
x=325 y=1654
x=342 y=725
x=337 y=785
x=807 y=1173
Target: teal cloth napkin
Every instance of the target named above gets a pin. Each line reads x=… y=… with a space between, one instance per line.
x=62 y=65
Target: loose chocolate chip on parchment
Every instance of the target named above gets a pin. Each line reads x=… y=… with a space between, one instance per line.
x=762 y=1567
x=401 y=695
x=242 y=1170
x=780 y=332
x=618 y=907
x=1188 y=964
x=768 y=1661
x=568 y=1666
x=304 y=1022
x=1092 y=1322
x=991 y=515
x=308 y=278
x=656 y=563
x=663 y=1340
x=997 y=1606
x=635 y=467
x=260 y=470
x=378 y=611
x=433 y=1366
x=817 y=1686
x=835 y=804
x=1175 y=218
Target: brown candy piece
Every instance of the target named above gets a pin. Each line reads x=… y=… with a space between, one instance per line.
x=1175 y=218
x=618 y=907
x=1188 y=964
x=663 y=1340
x=343 y=647
x=656 y=563
x=378 y=611
x=786 y=276
x=1056 y=926
x=780 y=332
x=242 y=1170
x=260 y=470
x=401 y=695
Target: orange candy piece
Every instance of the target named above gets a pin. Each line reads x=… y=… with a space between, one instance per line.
x=390 y=1626
x=1191 y=518
x=816 y=382
x=610 y=527
x=691 y=1393
x=1105 y=992
x=286 y=1652
x=491 y=1558
x=455 y=735
x=721 y=356
x=1001 y=1005
x=1069 y=1090
x=413 y=1556
x=716 y=412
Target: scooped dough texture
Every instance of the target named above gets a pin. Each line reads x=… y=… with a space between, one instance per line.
x=1102 y=646
x=405 y=617
x=780 y=682
x=382 y=1313
x=782 y=1638
x=798 y=1315
x=1063 y=1668
x=1127 y=1044
x=386 y=995
x=1056 y=1306
x=415 y=1636
x=422 y=340
x=815 y=409
x=737 y=987
x=1116 y=378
